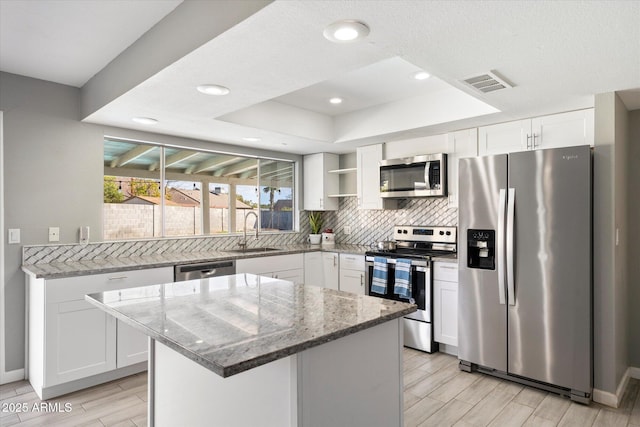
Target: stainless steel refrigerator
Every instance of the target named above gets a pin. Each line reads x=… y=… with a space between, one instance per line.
x=525 y=275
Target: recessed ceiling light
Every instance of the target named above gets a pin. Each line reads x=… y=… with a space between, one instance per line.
x=346 y=31
x=252 y=139
x=145 y=120
x=336 y=100
x=421 y=75
x=213 y=90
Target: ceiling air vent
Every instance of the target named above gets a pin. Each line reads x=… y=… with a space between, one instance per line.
x=488 y=82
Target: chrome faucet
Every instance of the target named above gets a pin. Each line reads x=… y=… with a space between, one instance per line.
x=243 y=244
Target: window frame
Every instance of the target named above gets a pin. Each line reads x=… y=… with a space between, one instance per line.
x=205 y=226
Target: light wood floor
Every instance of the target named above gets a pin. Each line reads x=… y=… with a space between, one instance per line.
x=436 y=394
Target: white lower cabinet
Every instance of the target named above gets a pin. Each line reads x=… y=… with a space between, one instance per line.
x=445 y=303
x=352 y=273
x=131 y=345
x=321 y=269
x=72 y=344
x=285 y=267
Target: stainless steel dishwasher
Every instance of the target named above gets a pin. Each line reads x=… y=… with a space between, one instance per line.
x=203 y=270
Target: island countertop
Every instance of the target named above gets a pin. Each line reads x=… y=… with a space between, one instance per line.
x=234 y=323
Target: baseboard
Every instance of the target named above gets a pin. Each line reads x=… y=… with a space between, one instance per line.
x=614 y=399
x=12 y=376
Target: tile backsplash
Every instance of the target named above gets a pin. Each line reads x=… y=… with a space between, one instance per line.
x=367 y=226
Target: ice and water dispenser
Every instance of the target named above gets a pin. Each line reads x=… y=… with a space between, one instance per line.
x=481 y=249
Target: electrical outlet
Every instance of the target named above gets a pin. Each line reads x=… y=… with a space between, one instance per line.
x=54 y=234
x=346 y=229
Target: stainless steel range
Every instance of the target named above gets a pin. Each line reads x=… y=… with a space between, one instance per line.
x=415 y=246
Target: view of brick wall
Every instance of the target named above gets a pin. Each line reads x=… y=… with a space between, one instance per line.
x=132 y=221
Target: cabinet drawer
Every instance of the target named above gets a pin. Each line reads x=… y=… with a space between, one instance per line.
x=447 y=271
x=75 y=288
x=352 y=262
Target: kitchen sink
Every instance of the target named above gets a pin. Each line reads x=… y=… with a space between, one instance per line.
x=251 y=250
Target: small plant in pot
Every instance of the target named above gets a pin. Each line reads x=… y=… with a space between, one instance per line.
x=315 y=222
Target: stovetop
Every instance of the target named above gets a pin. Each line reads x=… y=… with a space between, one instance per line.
x=420 y=242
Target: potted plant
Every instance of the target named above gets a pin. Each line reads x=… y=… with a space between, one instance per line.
x=315 y=222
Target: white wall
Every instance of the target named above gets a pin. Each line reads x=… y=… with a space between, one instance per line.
x=53 y=172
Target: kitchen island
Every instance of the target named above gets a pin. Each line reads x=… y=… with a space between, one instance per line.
x=246 y=350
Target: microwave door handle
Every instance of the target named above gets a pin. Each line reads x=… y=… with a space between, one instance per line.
x=427 y=178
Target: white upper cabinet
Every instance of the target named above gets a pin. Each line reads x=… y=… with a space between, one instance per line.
x=556 y=130
x=563 y=130
x=463 y=143
x=319 y=183
x=368 y=179
x=503 y=138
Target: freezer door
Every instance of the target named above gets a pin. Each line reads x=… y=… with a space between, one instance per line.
x=550 y=321
x=482 y=312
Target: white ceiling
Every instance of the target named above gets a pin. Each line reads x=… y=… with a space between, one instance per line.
x=281 y=70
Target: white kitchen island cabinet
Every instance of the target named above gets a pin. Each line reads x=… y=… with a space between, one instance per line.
x=275 y=354
x=72 y=344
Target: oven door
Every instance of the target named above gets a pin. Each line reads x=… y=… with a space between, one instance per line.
x=420 y=288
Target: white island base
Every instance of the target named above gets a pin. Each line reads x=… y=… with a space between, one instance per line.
x=352 y=381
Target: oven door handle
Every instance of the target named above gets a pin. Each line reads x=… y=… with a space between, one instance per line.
x=422 y=269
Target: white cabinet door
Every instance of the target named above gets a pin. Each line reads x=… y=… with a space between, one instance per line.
x=80 y=342
x=445 y=302
x=132 y=345
x=352 y=273
x=330 y=270
x=295 y=275
x=313 y=269
x=445 y=312
x=285 y=267
x=462 y=144
x=368 y=179
x=503 y=138
x=318 y=183
x=563 y=130
x=352 y=281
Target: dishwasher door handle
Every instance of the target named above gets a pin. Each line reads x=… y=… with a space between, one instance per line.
x=209 y=273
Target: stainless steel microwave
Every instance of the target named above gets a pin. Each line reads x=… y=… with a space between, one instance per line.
x=419 y=176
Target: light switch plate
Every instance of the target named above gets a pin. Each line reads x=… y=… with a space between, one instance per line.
x=54 y=234
x=14 y=236
x=347 y=229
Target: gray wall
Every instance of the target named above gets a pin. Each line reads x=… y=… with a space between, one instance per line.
x=53 y=177
x=609 y=212
x=633 y=191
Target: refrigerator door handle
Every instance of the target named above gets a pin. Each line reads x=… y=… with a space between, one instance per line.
x=511 y=203
x=500 y=245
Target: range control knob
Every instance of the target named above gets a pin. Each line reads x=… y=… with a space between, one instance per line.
x=441 y=233
x=448 y=233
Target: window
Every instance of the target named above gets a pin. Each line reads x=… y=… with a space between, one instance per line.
x=204 y=193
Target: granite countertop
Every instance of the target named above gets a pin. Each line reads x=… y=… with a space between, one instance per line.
x=231 y=324
x=59 y=270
